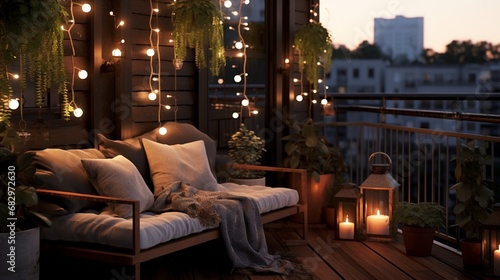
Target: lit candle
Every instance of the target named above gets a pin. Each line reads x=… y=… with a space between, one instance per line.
x=346 y=229
x=377 y=224
x=496 y=263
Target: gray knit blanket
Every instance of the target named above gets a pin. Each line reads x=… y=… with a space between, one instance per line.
x=239 y=223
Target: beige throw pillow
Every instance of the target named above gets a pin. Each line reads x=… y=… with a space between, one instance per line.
x=118 y=177
x=182 y=162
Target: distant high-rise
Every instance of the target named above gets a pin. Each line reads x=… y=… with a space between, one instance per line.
x=400 y=37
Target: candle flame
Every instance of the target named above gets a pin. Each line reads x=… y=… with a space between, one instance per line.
x=347 y=220
x=378 y=212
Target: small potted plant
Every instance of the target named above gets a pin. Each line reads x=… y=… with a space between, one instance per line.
x=474 y=198
x=245 y=147
x=307 y=149
x=418 y=221
x=18 y=215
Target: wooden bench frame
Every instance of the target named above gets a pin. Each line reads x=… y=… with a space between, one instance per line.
x=135 y=256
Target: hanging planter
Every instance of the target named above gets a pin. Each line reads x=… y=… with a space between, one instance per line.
x=313 y=43
x=198 y=24
x=31 y=37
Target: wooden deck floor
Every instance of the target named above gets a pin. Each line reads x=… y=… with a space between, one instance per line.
x=322 y=258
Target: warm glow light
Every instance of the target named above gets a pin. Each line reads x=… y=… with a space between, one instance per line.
x=156 y=10
x=15 y=76
x=82 y=74
x=116 y=53
x=168 y=107
x=121 y=23
x=238 y=45
x=86 y=8
x=295 y=80
x=247 y=2
x=13 y=104
x=255 y=112
x=228 y=4
x=299 y=98
x=237 y=78
x=152 y=96
x=245 y=102
x=78 y=112
x=287 y=60
x=320 y=81
x=220 y=81
x=150 y=52
x=236 y=115
x=162 y=130
x=324 y=101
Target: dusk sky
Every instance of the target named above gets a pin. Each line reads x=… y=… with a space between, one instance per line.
x=351 y=22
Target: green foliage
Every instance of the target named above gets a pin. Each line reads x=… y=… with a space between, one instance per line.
x=314 y=44
x=245 y=147
x=419 y=215
x=198 y=24
x=18 y=198
x=31 y=37
x=307 y=149
x=474 y=193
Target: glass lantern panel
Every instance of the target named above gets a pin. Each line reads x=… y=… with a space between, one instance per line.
x=346 y=209
x=376 y=200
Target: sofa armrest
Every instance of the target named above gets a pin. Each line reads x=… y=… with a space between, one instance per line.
x=105 y=199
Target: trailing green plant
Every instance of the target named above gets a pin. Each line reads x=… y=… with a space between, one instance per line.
x=18 y=198
x=314 y=44
x=32 y=39
x=245 y=147
x=423 y=214
x=307 y=149
x=474 y=194
x=198 y=24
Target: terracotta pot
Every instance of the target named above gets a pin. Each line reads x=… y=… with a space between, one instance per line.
x=418 y=241
x=249 y=182
x=26 y=255
x=471 y=254
x=317 y=197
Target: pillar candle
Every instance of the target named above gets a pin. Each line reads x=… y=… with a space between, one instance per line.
x=346 y=229
x=496 y=261
x=377 y=224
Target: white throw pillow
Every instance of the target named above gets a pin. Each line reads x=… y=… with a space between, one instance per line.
x=118 y=177
x=181 y=162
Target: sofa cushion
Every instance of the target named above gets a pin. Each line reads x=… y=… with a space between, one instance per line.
x=118 y=177
x=62 y=170
x=180 y=133
x=131 y=149
x=182 y=162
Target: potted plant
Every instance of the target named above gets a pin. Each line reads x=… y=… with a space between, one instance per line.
x=245 y=147
x=31 y=41
x=474 y=198
x=314 y=44
x=307 y=149
x=418 y=222
x=19 y=220
x=198 y=24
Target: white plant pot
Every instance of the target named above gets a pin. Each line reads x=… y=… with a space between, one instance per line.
x=249 y=182
x=25 y=256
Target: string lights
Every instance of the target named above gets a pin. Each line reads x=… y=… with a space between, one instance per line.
x=71 y=106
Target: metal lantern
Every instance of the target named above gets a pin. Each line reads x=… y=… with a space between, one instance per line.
x=490 y=231
x=347 y=217
x=379 y=194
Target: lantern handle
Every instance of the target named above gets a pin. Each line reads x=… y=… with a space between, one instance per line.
x=379 y=153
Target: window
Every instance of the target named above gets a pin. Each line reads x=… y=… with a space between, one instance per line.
x=355 y=73
x=371 y=72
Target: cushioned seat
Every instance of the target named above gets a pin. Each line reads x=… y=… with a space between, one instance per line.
x=106 y=228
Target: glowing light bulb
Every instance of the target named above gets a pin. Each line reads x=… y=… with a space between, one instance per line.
x=247 y=2
x=152 y=96
x=168 y=107
x=295 y=80
x=238 y=45
x=236 y=115
x=324 y=101
x=82 y=74
x=228 y=4
x=255 y=112
x=287 y=60
x=13 y=104
x=220 y=81
x=237 y=78
x=299 y=98
x=162 y=130
x=116 y=53
x=121 y=23
x=78 y=112
x=245 y=102
x=150 y=52
x=86 y=8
